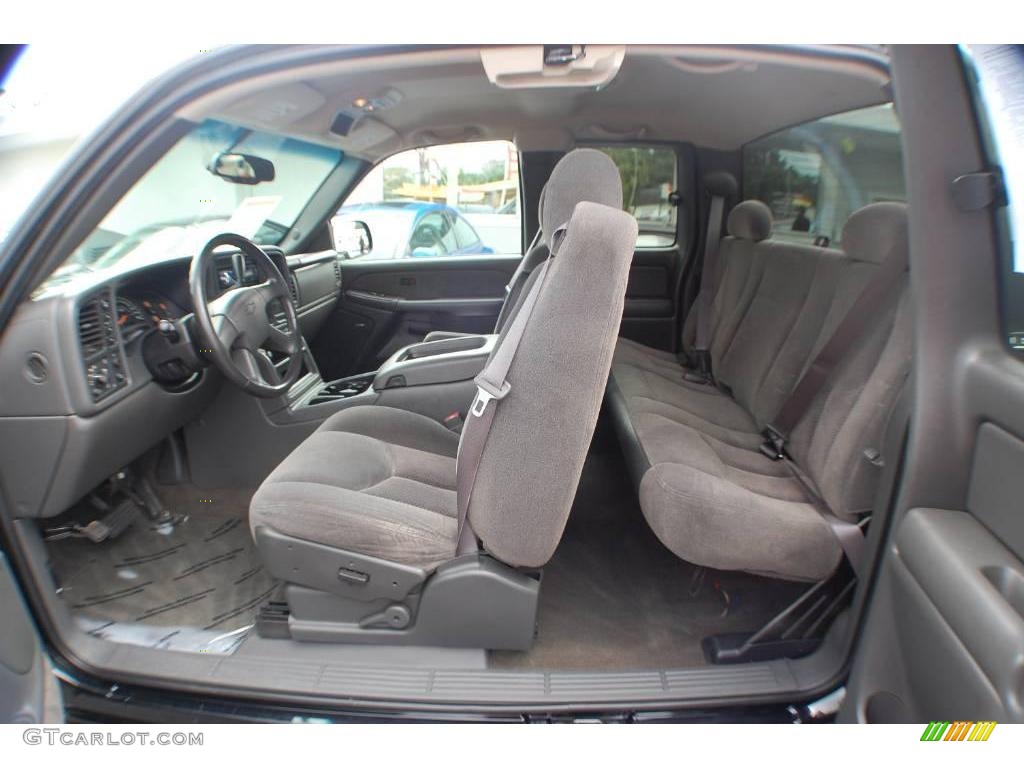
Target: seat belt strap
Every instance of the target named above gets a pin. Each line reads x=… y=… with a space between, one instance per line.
x=849 y=536
x=506 y=306
x=885 y=282
x=492 y=387
x=708 y=285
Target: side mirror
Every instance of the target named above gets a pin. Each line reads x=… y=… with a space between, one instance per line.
x=241 y=169
x=352 y=238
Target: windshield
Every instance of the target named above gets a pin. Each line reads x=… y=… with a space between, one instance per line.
x=179 y=204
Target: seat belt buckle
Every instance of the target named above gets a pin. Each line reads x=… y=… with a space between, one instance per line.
x=453 y=421
x=774 y=445
x=703 y=361
x=700 y=373
x=485 y=392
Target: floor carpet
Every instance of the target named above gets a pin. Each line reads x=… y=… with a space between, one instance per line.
x=193 y=583
x=614 y=598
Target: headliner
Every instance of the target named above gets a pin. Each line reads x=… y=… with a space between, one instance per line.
x=719 y=97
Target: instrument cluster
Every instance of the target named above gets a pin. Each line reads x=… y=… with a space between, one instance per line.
x=142 y=311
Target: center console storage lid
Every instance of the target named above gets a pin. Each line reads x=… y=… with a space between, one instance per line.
x=435 y=362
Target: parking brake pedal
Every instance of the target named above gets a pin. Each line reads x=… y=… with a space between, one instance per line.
x=106 y=528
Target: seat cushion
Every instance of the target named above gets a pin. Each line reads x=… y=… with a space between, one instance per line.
x=374 y=480
x=631 y=352
x=730 y=508
x=701 y=406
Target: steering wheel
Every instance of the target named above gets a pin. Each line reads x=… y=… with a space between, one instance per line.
x=235 y=328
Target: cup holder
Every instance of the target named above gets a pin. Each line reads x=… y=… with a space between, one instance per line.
x=342 y=389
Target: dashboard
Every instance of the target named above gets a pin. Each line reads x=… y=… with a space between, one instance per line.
x=82 y=397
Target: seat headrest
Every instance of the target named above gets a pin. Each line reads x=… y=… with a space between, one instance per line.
x=875 y=231
x=750 y=220
x=582 y=175
x=721 y=184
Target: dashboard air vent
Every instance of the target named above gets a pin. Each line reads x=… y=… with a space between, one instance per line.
x=90 y=327
x=337 y=272
x=101 y=350
x=293 y=288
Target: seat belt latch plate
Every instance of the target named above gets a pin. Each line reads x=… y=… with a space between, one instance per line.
x=485 y=392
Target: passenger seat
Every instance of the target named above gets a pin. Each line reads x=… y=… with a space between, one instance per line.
x=695 y=448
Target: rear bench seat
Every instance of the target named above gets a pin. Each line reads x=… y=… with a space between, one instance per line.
x=706 y=489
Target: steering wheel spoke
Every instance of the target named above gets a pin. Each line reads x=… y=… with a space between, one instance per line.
x=226 y=331
x=285 y=342
x=256 y=366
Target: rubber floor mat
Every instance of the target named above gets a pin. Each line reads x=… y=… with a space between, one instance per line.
x=198 y=583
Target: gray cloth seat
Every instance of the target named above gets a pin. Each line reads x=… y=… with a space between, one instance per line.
x=383 y=482
x=705 y=488
x=372 y=479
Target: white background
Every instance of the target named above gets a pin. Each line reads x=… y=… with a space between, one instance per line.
x=129 y=41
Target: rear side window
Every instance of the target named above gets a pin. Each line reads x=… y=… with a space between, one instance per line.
x=814 y=175
x=648 y=178
x=445 y=200
x=997 y=74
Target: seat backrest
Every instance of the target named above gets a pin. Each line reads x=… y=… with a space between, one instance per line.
x=779 y=327
x=533 y=456
x=802 y=293
x=748 y=223
x=849 y=415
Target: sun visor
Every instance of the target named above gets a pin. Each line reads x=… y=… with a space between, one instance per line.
x=279 y=107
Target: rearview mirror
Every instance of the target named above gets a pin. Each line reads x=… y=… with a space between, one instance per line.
x=241 y=169
x=352 y=238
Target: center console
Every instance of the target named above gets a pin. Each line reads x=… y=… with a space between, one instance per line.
x=434 y=378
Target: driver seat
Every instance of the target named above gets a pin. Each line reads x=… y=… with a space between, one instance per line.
x=362 y=521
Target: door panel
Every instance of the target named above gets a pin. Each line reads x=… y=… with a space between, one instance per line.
x=649 y=312
x=943 y=637
x=23 y=669
x=385 y=305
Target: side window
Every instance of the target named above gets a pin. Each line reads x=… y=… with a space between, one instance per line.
x=996 y=73
x=452 y=199
x=648 y=178
x=813 y=176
